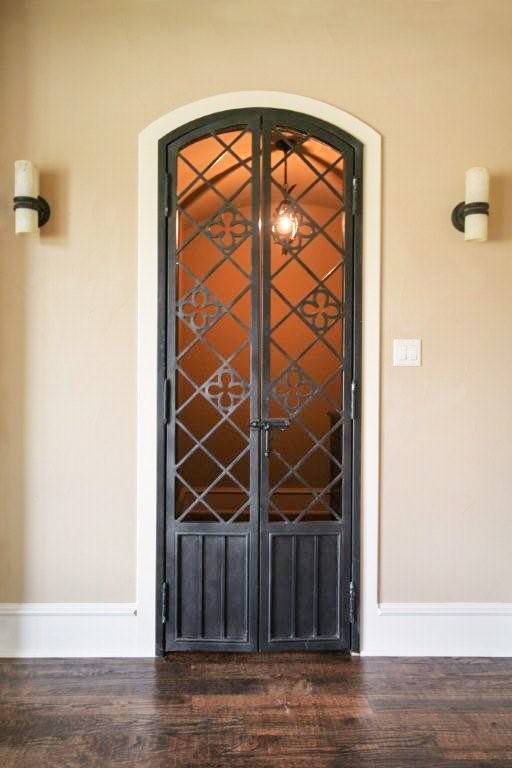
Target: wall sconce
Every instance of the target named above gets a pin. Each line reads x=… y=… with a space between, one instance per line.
x=472 y=216
x=30 y=210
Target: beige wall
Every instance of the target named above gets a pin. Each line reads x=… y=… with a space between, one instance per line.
x=79 y=80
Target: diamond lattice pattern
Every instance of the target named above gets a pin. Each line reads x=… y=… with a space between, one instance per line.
x=306 y=336
x=213 y=305
x=215 y=231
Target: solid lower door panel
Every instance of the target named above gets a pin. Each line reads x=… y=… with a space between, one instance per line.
x=301 y=602
x=213 y=606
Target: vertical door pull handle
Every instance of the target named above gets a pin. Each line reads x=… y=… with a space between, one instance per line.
x=267 y=425
x=267 y=432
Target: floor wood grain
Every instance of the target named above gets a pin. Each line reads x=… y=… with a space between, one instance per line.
x=234 y=711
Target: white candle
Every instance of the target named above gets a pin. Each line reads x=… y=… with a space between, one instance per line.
x=26 y=183
x=477 y=191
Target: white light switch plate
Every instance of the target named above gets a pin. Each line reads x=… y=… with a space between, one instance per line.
x=406 y=351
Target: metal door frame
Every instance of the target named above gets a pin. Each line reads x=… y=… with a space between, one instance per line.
x=234 y=117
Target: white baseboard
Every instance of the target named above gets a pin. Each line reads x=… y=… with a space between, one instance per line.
x=61 y=630
x=67 y=609
x=445 y=609
x=438 y=629
x=70 y=629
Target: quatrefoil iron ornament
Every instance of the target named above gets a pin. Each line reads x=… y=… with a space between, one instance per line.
x=199 y=309
x=229 y=229
x=319 y=309
x=293 y=389
x=225 y=389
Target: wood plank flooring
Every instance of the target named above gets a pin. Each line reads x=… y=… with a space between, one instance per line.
x=318 y=710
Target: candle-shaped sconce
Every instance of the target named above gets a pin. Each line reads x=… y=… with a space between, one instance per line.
x=31 y=211
x=472 y=216
x=477 y=204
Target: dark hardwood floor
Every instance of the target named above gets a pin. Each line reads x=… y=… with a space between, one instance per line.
x=319 y=710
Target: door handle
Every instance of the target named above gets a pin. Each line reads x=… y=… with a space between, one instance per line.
x=268 y=425
x=281 y=424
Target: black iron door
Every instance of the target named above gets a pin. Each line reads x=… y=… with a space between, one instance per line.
x=257 y=358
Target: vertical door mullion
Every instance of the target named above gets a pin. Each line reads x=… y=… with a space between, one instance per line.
x=348 y=379
x=266 y=132
x=356 y=373
x=170 y=475
x=254 y=436
x=162 y=428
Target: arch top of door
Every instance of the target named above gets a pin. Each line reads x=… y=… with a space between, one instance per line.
x=147 y=347
x=263 y=99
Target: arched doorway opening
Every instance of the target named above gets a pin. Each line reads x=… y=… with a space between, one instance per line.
x=260 y=368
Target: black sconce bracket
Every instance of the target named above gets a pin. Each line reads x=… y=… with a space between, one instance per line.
x=38 y=204
x=462 y=210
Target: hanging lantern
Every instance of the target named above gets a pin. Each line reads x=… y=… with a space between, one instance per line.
x=286 y=218
x=285 y=223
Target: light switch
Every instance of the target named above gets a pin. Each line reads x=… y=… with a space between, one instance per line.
x=406 y=351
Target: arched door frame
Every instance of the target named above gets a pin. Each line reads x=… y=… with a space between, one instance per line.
x=147 y=384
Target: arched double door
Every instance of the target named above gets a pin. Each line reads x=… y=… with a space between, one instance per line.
x=258 y=362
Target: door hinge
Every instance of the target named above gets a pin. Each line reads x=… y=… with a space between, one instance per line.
x=352 y=603
x=166 y=405
x=164 y=595
x=355 y=195
x=353 y=401
x=167 y=192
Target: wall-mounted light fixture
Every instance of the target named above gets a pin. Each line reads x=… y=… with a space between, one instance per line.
x=472 y=216
x=30 y=210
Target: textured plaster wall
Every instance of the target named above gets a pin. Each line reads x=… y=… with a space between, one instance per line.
x=78 y=80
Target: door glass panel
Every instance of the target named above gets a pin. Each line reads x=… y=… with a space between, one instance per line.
x=214 y=235
x=305 y=345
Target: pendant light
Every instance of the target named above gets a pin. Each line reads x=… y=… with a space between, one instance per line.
x=286 y=218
